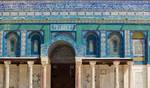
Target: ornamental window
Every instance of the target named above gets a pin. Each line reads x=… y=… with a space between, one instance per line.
x=92 y=44
x=35 y=41
x=115 y=45
x=13 y=44
x=35 y=44
x=138 y=43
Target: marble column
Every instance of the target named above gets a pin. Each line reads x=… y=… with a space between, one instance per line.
x=78 y=74
x=130 y=65
x=50 y=75
x=44 y=65
x=30 y=65
x=126 y=75
x=7 y=63
x=92 y=64
x=148 y=76
x=116 y=64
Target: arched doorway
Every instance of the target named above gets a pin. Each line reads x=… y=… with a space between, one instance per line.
x=62 y=58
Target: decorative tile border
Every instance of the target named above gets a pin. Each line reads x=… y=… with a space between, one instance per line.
x=1 y=42
x=23 y=43
x=103 y=43
x=82 y=20
x=127 y=43
x=75 y=5
x=11 y=13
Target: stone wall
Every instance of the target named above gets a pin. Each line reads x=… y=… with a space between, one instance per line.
x=86 y=76
x=19 y=76
x=37 y=76
x=121 y=76
x=14 y=76
x=23 y=76
x=139 y=76
x=105 y=76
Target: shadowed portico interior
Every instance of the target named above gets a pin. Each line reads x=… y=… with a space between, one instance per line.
x=62 y=60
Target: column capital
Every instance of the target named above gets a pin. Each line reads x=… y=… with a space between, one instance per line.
x=130 y=62
x=44 y=62
x=116 y=63
x=7 y=62
x=148 y=65
x=30 y=63
x=44 y=58
x=92 y=63
x=78 y=59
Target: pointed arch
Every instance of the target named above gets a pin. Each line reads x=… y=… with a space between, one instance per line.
x=57 y=49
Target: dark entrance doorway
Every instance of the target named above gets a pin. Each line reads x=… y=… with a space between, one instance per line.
x=62 y=66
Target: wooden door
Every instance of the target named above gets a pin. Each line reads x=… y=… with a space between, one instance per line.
x=63 y=76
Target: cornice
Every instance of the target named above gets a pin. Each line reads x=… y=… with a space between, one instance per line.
x=90 y=21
